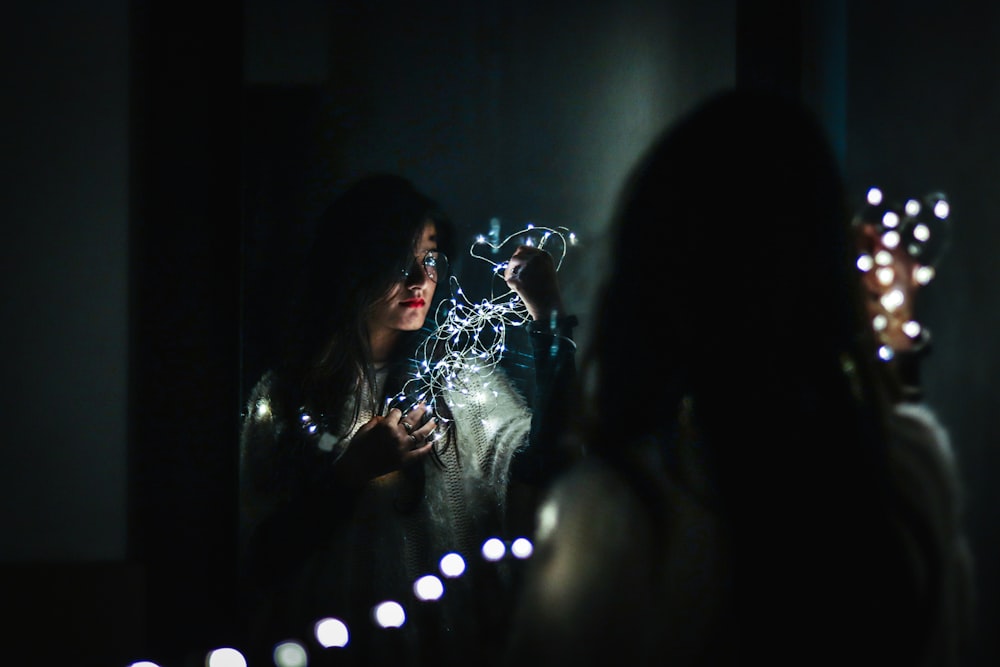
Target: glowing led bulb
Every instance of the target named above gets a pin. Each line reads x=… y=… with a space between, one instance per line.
x=225 y=657
x=332 y=633
x=865 y=262
x=892 y=300
x=923 y=274
x=912 y=328
x=885 y=275
x=880 y=322
x=885 y=353
x=521 y=548
x=921 y=232
x=890 y=219
x=883 y=258
x=428 y=587
x=494 y=549
x=389 y=614
x=912 y=208
x=874 y=196
x=890 y=239
x=452 y=565
x=290 y=654
x=941 y=209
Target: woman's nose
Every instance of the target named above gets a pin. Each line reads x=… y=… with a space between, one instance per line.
x=416 y=275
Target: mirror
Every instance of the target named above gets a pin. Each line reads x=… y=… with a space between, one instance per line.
x=509 y=114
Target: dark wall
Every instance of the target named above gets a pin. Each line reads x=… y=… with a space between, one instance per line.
x=63 y=256
x=184 y=306
x=924 y=103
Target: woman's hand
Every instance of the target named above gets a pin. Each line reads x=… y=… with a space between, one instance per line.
x=890 y=290
x=386 y=444
x=531 y=273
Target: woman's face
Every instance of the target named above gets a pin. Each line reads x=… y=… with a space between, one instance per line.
x=406 y=305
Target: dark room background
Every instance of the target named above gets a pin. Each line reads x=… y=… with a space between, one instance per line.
x=162 y=160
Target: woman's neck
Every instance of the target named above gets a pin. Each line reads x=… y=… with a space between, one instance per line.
x=382 y=345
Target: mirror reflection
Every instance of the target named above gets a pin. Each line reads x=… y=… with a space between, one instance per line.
x=427 y=477
x=496 y=121
x=381 y=454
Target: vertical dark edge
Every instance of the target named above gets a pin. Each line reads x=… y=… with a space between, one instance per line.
x=800 y=50
x=184 y=314
x=769 y=45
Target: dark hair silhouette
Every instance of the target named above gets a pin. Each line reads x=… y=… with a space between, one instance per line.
x=731 y=305
x=363 y=240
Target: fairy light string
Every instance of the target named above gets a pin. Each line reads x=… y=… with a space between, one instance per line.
x=918 y=229
x=468 y=339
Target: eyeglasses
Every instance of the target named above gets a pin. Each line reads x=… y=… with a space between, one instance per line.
x=435 y=263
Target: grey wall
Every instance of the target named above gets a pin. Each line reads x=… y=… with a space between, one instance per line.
x=63 y=261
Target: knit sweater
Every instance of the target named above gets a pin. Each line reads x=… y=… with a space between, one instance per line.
x=312 y=550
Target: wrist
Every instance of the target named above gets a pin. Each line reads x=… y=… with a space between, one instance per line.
x=557 y=323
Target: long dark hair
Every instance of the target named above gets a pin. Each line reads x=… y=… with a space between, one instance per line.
x=362 y=241
x=732 y=292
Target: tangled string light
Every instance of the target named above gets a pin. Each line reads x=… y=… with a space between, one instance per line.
x=469 y=339
x=899 y=248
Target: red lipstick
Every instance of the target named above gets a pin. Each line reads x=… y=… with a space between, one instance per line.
x=414 y=303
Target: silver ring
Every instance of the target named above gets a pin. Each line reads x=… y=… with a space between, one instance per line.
x=406 y=425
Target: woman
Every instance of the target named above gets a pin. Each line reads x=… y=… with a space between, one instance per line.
x=346 y=499
x=752 y=495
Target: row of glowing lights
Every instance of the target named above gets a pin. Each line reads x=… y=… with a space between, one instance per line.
x=883 y=260
x=333 y=632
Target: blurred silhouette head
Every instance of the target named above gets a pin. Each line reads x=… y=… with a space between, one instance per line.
x=732 y=291
x=732 y=275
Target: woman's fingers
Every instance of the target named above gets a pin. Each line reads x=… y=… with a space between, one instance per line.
x=422 y=433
